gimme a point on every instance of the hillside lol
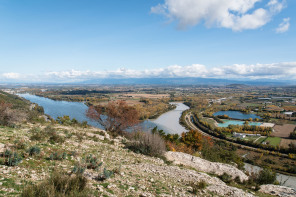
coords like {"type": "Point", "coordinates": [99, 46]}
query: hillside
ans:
{"type": "Point", "coordinates": [64, 148]}
{"type": "Point", "coordinates": [14, 109]}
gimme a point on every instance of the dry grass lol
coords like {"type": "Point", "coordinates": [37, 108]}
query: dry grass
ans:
{"type": "Point", "coordinates": [146, 143]}
{"type": "Point", "coordinates": [58, 185]}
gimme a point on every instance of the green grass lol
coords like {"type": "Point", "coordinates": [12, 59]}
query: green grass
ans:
{"type": "Point", "coordinates": [261, 140]}
{"type": "Point", "coordinates": [274, 141]}
{"type": "Point", "coordinates": [251, 138]}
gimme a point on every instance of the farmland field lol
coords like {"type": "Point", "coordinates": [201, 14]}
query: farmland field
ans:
{"type": "Point", "coordinates": [261, 139]}
{"type": "Point", "coordinates": [285, 143]}
{"type": "Point", "coordinates": [283, 130]}
{"type": "Point", "coordinates": [274, 141]}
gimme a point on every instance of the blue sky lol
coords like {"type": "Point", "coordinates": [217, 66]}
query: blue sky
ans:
{"type": "Point", "coordinates": [83, 39]}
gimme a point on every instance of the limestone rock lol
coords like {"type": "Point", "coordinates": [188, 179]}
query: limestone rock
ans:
{"type": "Point", "coordinates": [278, 190]}
{"type": "Point", "coordinates": [205, 166]}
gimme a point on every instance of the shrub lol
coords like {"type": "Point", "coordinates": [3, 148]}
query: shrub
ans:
{"type": "Point", "coordinates": [105, 175]}
{"type": "Point", "coordinates": [54, 137]}
{"type": "Point", "coordinates": [269, 161]}
{"type": "Point", "coordinates": [79, 136]}
{"type": "Point", "coordinates": [117, 170]}
{"type": "Point", "coordinates": [34, 150]}
{"type": "Point", "coordinates": [265, 176]}
{"type": "Point", "coordinates": [147, 143]}
{"type": "Point", "coordinates": [58, 184]}
{"type": "Point", "coordinates": [78, 169]}
{"type": "Point", "coordinates": [293, 135]}
{"type": "Point", "coordinates": [58, 156]}
{"type": "Point", "coordinates": [226, 178]}
{"type": "Point", "coordinates": [20, 144]}
{"type": "Point", "coordinates": [92, 162]}
{"type": "Point", "coordinates": [2, 161]}
{"type": "Point", "coordinates": [10, 116]}
{"type": "Point", "coordinates": [37, 134]}
{"type": "Point", "coordinates": [196, 187]}
{"type": "Point", "coordinates": [12, 158]}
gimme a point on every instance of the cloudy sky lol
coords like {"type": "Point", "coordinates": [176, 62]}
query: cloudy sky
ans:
{"type": "Point", "coordinates": [76, 40]}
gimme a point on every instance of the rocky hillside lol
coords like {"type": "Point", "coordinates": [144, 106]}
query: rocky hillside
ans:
{"type": "Point", "coordinates": [29, 154]}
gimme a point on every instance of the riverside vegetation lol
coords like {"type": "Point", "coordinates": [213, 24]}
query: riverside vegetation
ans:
{"type": "Point", "coordinates": [66, 158]}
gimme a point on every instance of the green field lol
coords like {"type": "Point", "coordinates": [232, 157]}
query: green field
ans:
{"type": "Point", "coordinates": [274, 141]}
{"type": "Point", "coordinates": [251, 138]}
{"type": "Point", "coordinates": [261, 139]}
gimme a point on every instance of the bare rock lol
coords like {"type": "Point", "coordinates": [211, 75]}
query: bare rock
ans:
{"type": "Point", "coordinates": [205, 166]}
{"type": "Point", "coordinates": [278, 190]}
{"type": "Point", "coordinates": [2, 148]}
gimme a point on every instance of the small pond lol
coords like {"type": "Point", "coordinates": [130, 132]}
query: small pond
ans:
{"type": "Point", "coordinates": [226, 123]}
{"type": "Point", "coordinates": [237, 115]}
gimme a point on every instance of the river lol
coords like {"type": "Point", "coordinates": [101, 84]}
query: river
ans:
{"type": "Point", "coordinates": [169, 121]}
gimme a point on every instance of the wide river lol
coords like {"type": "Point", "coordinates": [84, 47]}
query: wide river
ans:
{"type": "Point", "coordinates": [168, 121]}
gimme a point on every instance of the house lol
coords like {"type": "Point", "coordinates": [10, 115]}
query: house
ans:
{"type": "Point", "coordinates": [243, 135]}
{"type": "Point", "coordinates": [239, 135]}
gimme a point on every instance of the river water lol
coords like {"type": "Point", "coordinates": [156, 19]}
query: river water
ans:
{"type": "Point", "coordinates": [169, 121]}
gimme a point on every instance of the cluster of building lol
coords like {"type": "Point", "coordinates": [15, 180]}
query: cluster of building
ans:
{"type": "Point", "coordinates": [243, 135]}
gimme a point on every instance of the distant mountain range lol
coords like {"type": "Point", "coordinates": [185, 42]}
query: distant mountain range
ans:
{"type": "Point", "coordinates": [165, 81]}
{"type": "Point", "coordinates": [183, 81]}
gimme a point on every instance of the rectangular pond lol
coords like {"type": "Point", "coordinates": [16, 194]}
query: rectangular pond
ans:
{"type": "Point", "coordinates": [237, 122]}
{"type": "Point", "coordinates": [237, 115]}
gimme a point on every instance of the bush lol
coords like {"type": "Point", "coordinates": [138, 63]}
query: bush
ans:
{"type": "Point", "coordinates": [92, 162]}
{"type": "Point", "coordinates": [226, 178]}
{"type": "Point", "coordinates": [20, 144]}
{"type": "Point", "coordinates": [10, 116]}
{"type": "Point", "coordinates": [37, 134]}
{"type": "Point", "coordinates": [59, 184]}
{"type": "Point", "coordinates": [293, 135]}
{"type": "Point", "coordinates": [12, 158]}
{"type": "Point", "coordinates": [146, 143]}
{"type": "Point", "coordinates": [78, 169]}
{"type": "Point", "coordinates": [105, 175]}
{"type": "Point", "coordinates": [196, 187]}
{"type": "Point", "coordinates": [269, 161]}
{"type": "Point", "coordinates": [34, 150]}
{"type": "Point", "coordinates": [55, 138]}
{"type": "Point", "coordinates": [266, 176]}
{"type": "Point", "coordinates": [58, 156]}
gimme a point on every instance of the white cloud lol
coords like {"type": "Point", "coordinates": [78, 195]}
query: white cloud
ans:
{"type": "Point", "coordinates": [237, 15]}
{"type": "Point", "coordinates": [284, 71]}
{"type": "Point", "coordinates": [284, 26]}
{"type": "Point", "coordinates": [11, 75]}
